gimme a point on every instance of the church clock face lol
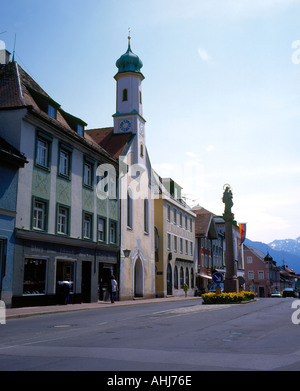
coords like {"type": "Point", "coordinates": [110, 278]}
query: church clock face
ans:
{"type": "Point", "coordinates": [125, 125]}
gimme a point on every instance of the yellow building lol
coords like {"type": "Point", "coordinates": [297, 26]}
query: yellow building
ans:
{"type": "Point", "coordinates": [175, 241]}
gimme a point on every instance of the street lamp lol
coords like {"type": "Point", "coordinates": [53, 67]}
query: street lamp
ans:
{"type": "Point", "coordinates": [126, 253]}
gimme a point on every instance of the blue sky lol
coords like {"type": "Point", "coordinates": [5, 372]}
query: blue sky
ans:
{"type": "Point", "coordinates": [221, 91]}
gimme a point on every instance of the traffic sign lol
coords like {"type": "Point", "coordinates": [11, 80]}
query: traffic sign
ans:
{"type": "Point", "coordinates": [217, 278]}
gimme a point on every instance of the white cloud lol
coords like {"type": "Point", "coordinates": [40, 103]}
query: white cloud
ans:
{"type": "Point", "coordinates": [210, 148]}
{"type": "Point", "coordinates": [204, 55]}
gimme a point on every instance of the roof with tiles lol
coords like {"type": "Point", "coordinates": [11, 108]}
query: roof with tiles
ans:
{"type": "Point", "coordinates": [19, 90]}
{"type": "Point", "coordinates": [113, 143]}
{"type": "Point", "coordinates": [204, 223]}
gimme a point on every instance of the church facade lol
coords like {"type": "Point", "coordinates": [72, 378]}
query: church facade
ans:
{"type": "Point", "coordinates": [126, 141]}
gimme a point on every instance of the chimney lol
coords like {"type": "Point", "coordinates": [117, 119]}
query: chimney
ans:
{"type": "Point", "coordinates": [4, 57]}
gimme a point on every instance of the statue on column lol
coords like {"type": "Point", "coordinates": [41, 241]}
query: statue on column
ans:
{"type": "Point", "coordinates": [231, 281]}
{"type": "Point", "coordinates": [227, 200]}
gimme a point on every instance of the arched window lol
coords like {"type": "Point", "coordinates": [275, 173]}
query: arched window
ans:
{"type": "Point", "coordinates": [125, 95]}
{"type": "Point", "coordinates": [181, 278]}
{"type": "Point", "coordinates": [187, 277]}
{"type": "Point", "coordinates": [175, 277]}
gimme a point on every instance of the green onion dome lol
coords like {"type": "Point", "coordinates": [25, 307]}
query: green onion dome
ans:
{"type": "Point", "coordinates": [129, 62]}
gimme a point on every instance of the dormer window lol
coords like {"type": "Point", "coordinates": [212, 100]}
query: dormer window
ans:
{"type": "Point", "coordinates": [51, 111]}
{"type": "Point", "coordinates": [80, 130]}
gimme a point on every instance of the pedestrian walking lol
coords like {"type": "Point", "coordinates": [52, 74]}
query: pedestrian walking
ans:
{"type": "Point", "coordinates": [114, 289]}
{"type": "Point", "coordinates": [67, 287]}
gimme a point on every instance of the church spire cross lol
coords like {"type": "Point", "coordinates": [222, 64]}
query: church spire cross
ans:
{"type": "Point", "coordinates": [129, 37]}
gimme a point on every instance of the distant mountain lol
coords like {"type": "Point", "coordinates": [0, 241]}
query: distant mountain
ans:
{"type": "Point", "coordinates": [284, 252]}
{"type": "Point", "coordinates": [289, 245]}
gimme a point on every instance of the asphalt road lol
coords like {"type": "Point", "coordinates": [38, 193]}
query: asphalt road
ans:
{"type": "Point", "coordinates": [174, 336]}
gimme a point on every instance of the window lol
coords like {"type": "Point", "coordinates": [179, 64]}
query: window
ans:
{"type": "Point", "coordinates": [63, 220]}
{"type": "Point", "coordinates": [187, 277]}
{"type": "Point", "coordinates": [146, 215]}
{"type": "Point", "coordinates": [206, 260]}
{"type": "Point", "coordinates": [175, 244]}
{"type": "Point", "coordinates": [113, 232]}
{"type": "Point", "coordinates": [51, 111]}
{"type": "Point", "coordinates": [175, 277]}
{"type": "Point", "coordinates": [186, 247]}
{"type": "Point", "coordinates": [43, 150]}
{"type": "Point", "coordinates": [34, 276]}
{"type": "Point", "coordinates": [87, 226]}
{"type": "Point", "coordinates": [181, 278]}
{"type": "Point", "coordinates": [191, 248]}
{"type": "Point", "coordinates": [185, 217]}
{"type": "Point", "coordinates": [140, 97]}
{"type": "Point", "coordinates": [250, 275]}
{"type": "Point", "coordinates": [112, 185]}
{"type": "Point", "coordinates": [39, 215]}
{"type": "Point", "coordinates": [42, 156]}
{"type": "Point", "coordinates": [191, 224]}
{"type": "Point", "coordinates": [129, 211]}
{"type": "Point", "coordinates": [169, 241]}
{"type": "Point", "coordinates": [125, 95]}
{"type": "Point", "coordinates": [181, 245]}
{"type": "Point", "coordinates": [65, 271]}
{"type": "Point", "coordinates": [80, 130]}
{"type": "Point", "coordinates": [168, 212]}
{"type": "Point", "coordinates": [180, 219]}
{"type": "Point", "coordinates": [249, 259]}
{"type": "Point", "coordinates": [175, 216]}
{"type": "Point", "coordinates": [101, 229]}
{"type": "Point", "coordinates": [87, 174]}
{"type": "Point", "coordinates": [64, 163]}
{"type": "Point", "coordinates": [261, 275]}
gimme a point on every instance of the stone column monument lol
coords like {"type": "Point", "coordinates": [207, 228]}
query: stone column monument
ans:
{"type": "Point", "coordinates": [231, 281]}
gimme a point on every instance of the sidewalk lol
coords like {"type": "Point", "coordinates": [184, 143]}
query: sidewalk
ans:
{"type": "Point", "coordinates": [14, 313]}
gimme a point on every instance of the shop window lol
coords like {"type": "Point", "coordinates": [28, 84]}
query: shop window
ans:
{"type": "Point", "coordinates": [65, 271]}
{"type": "Point", "coordinates": [34, 276]}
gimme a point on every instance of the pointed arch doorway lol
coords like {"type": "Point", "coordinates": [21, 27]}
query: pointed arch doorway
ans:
{"type": "Point", "coordinates": [138, 279]}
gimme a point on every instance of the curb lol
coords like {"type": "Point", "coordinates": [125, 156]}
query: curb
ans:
{"type": "Point", "coordinates": [26, 312]}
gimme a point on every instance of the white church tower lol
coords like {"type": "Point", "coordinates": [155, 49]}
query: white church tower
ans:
{"type": "Point", "coordinates": [137, 270]}
{"type": "Point", "coordinates": [129, 111]}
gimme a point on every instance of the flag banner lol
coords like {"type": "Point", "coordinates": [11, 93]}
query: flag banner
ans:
{"type": "Point", "coordinates": [242, 227]}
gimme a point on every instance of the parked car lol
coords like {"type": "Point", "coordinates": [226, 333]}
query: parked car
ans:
{"type": "Point", "coordinates": [276, 294]}
{"type": "Point", "coordinates": [288, 292]}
